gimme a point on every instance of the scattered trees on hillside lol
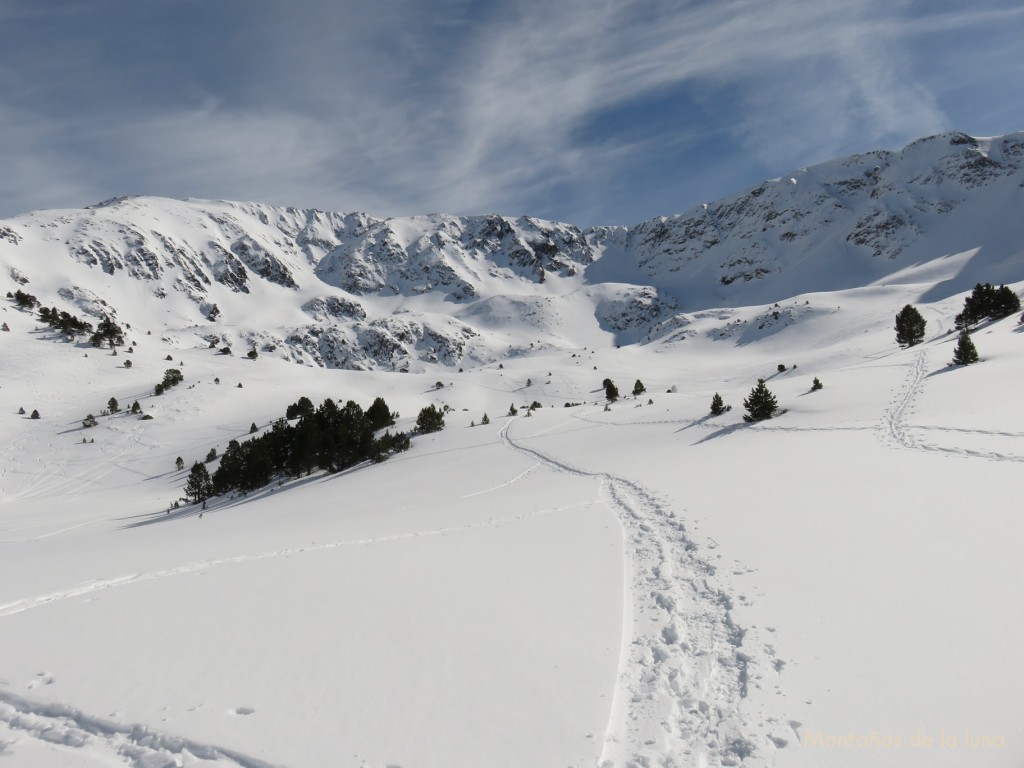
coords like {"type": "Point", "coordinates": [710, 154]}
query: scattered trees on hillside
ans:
{"type": "Point", "coordinates": [965, 352]}
{"type": "Point", "coordinates": [760, 404]}
{"type": "Point", "coordinates": [909, 327]}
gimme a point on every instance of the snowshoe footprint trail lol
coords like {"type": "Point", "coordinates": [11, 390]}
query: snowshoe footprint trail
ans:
{"type": "Point", "coordinates": [682, 681]}
{"type": "Point", "coordinates": [896, 414]}
{"type": "Point", "coordinates": [896, 429]}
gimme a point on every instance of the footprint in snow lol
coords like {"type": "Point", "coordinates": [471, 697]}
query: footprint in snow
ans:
{"type": "Point", "coordinates": [242, 711]}
{"type": "Point", "coordinates": [42, 678]}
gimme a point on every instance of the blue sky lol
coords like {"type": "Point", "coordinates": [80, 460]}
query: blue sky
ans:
{"type": "Point", "coordinates": [592, 112]}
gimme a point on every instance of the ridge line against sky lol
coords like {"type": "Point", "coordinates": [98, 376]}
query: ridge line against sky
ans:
{"type": "Point", "coordinates": [590, 112]}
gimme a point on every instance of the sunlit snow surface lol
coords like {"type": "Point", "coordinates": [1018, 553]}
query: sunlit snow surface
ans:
{"type": "Point", "coordinates": [639, 586]}
{"type": "Point", "coordinates": [577, 586]}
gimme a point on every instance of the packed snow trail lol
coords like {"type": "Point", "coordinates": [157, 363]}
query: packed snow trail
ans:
{"type": "Point", "coordinates": [135, 745]}
{"type": "Point", "coordinates": [683, 678]}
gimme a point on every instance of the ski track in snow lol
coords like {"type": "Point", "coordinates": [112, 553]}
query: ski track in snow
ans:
{"type": "Point", "coordinates": [506, 484]}
{"type": "Point", "coordinates": [896, 429]}
{"type": "Point", "coordinates": [683, 678]}
{"type": "Point", "coordinates": [25, 604]}
{"type": "Point", "coordinates": [135, 745]}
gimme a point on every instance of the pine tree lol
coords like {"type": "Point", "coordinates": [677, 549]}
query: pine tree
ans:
{"type": "Point", "coordinates": [965, 352]}
{"type": "Point", "coordinates": [760, 404]}
{"type": "Point", "coordinates": [112, 405]}
{"type": "Point", "coordinates": [253, 429]}
{"type": "Point", "coordinates": [378, 414]}
{"type": "Point", "coordinates": [211, 456]}
{"type": "Point", "coordinates": [909, 327]}
{"type": "Point", "coordinates": [179, 463]}
{"type": "Point", "coordinates": [89, 421]}
{"type": "Point", "coordinates": [486, 419]}
{"type": "Point", "coordinates": [816, 385]}
{"type": "Point", "coordinates": [611, 392]}
{"type": "Point", "coordinates": [136, 408]}
{"type": "Point", "coordinates": [638, 388]}
{"type": "Point", "coordinates": [429, 420]}
{"type": "Point", "coordinates": [35, 415]}
{"type": "Point", "coordinates": [717, 405]}
{"type": "Point", "coordinates": [199, 486]}
{"type": "Point", "coordinates": [512, 410]}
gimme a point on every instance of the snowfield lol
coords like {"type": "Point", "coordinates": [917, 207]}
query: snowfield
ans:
{"type": "Point", "coordinates": [632, 585]}
{"type": "Point", "coordinates": [575, 588]}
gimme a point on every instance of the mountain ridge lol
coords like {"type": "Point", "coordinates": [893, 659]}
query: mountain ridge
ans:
{"type": "Point", "coordinates": [350, 290]}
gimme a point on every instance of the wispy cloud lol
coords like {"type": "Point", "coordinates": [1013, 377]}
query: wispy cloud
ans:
{"type": "Point", "coordinates": [466, 106]}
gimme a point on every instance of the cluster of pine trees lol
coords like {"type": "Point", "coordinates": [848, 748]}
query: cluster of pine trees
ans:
{"type": "Point", "coordinates": [22, 299]}
{"type": "Point", "coordinates": [107, 332]}
{"type": "Point", "coordinates": [987, 302]}
{"type": "Point", "coordinates": [172, 376]}
{"type": "Point", "coordinates": [63, 321]}
{"type": "Point", "coordinates": [330, 437]}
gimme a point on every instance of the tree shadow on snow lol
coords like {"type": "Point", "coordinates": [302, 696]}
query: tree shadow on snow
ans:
{"type": "Point", "coordinates": [221, 503]}
{"type": "Point", "coordinates": [727, 430]}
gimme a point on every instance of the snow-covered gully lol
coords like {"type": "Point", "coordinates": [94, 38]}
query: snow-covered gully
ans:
{"type": "Point", "coordinates": [684, 673]}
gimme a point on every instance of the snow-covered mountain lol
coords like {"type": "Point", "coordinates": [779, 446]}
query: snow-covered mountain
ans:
{"type": "Point", "coordinates": [352, 291]}
{"type": "Point", "coordinates": [585, 584]}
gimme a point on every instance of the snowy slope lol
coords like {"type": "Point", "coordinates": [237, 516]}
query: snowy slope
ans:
{"type": "Point", "coordinates": [644, 585]}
